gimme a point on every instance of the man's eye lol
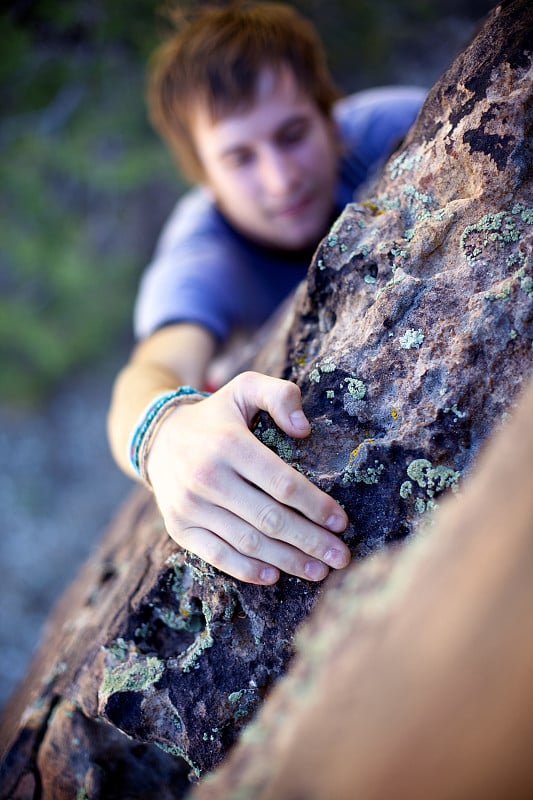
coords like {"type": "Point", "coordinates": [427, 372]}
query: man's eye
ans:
{"type": "Point", "coordinates": [294, 133]}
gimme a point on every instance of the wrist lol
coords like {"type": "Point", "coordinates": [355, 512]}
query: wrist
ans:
{"type": "Point", "coordinates": [150, 420]}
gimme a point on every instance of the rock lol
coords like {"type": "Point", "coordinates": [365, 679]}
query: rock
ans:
{"type": "Point", "coordinates": [410, 340]}
{"type": "Point", "coordinates": [422, 686]}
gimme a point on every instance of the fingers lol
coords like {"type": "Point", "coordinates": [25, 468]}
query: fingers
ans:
{"type": "Point", "coordinates": [264, 469]}
{"type": "Point", "coordinates": [258, 525]}
{"type": "Point", "coordinates": [240, 550]}
{"type": "Point", "coordinates": [220, 554]}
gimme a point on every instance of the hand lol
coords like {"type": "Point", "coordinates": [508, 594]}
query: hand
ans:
{"type": "Point", "coordinates": [230, 500]}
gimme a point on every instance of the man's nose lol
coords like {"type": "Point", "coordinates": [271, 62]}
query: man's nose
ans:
{"type": "Point", "coordinates": [279, 173]}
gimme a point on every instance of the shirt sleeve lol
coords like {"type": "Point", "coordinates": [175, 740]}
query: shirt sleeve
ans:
{"type": "Point", "coordinates": [189, 277]}
{"type": "Point", "coordinates": [372, 123]}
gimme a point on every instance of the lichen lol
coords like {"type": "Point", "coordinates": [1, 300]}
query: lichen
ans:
{"type": "Point", "coordinates": [433, 479]}
{"type": "Point", "coordinates": [272, 437]}
{"type": "Point", "coordinates": [368, 475]}
{"type": "Point", "coordinates": [455, 411]}
{"type": "Point", "coordinates": [137, 677]}
{"type": "Point", "coordinates": [325, 366]}
{"type": "Point", "coordinates": [202, 642]}
{"type": "Point", "coordinates": [500, 227]}
{"type": "Point", "coordinates": [403, 163]}
{"type": "Point", "coordinates": [411, 338]}
{"type": "Point", "coordinates": [412, 193]}
{"type": "Point", "coordinates": [180, 752]}
{"type": "Point", "coordinates": [355, 387]}
{"type": "Point", "coordinates": [420, 505]}
{"type": "Point", "coordinates": [406, 489]}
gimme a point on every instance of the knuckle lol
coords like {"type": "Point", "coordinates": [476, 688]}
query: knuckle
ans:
{"type": "Point", "coordinates": [175, 528]}
{"type": "Point", "coordinates": [284, 485]}
{"type": "Point", "coordinates": [224, 441]}
{"type": "Point", "coordinates": [271, 520]}
{"type": "Point", "coordinates": [215, 552]}
{"type": "Point", "coordinates": [187, 503]}
{"type": "Point", "coordinates": [249, 543]}
{"type": "Point", "coordinates": [204, 475]}
{"type": "Point", "coordinates": [292, 391]}
{"type": "Point", "coordinates": [244, 380]}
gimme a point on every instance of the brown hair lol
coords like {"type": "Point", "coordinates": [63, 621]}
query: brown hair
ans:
{"type": "Point", "coordinates": [215, 57]}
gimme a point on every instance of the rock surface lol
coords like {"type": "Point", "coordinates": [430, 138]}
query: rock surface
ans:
{"type": "Point", "coordinates": [422, 687]}
{"type": "Point", "coordinates": [410, 340]}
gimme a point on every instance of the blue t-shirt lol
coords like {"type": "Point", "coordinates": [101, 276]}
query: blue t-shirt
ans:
{"type": "Point", "coordinates": [205, 271]}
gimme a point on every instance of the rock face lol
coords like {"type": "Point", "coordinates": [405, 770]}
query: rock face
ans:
{"type": "Point", "coordinates": [422, 686]}
{"type": "Point", "coordinates": [410, 340]}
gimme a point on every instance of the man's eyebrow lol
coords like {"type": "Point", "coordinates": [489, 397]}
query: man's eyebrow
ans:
{"type": "Point", "coordinates": [233, 149]}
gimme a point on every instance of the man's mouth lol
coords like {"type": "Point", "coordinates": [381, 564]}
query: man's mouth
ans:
{"type": "Point", "coordinates": [293, 208]}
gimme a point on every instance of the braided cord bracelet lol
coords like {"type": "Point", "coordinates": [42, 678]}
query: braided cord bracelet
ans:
{"type": "Point", "coordinates": [149, 421]}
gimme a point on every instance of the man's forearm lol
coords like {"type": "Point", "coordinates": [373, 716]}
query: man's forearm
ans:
{"type": "Point", "coordinates": [135, 387]}
{"type": "Point", "coordinates": [171, 356]}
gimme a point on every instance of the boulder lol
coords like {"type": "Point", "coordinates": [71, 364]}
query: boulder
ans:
{"type": "Point", "coordinates": [421, 687]}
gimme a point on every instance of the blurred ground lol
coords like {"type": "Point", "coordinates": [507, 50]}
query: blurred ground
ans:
{"type": "Point", "coordinates": [58, 490]}
{"type": "Point", "coordinates": [58, 485]}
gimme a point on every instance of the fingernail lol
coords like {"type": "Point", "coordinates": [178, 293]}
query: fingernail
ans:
{"type": "Point", "coordinates": [335, 558]}
{"type": "Point", "coordinates": [336, 522]}
{"type": "Point", "coordinates": [299, 420]}
{"type": "Point", "coordinates": [315, 570]}
{"type": "Point", "coordinates": [269, 575]}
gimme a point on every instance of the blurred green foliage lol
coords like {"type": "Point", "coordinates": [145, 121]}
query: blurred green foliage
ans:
{"type": "Point", "coordinates": [85, 184]}
{"type": "Point", "coordinates": [78, 157]}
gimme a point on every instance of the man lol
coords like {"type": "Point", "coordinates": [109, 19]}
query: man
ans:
{"type": "Point", "coordinates": [243, 97]}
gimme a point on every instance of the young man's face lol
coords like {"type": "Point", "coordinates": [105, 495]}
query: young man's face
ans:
{"type": "Point", "coordinates": [272, 167]}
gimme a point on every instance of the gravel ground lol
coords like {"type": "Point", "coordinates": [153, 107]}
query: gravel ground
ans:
{"type": "Point", "coordinates": [59, 488]}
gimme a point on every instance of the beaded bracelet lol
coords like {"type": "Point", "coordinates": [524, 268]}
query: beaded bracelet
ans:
{"type": "Point", "coordinates": [150, 420]}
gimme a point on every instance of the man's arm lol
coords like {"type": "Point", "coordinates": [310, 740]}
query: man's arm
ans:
{"type": "Point", "coordinates": [223, 495]}
{"type": "Point", "coordinates": [173, 355]}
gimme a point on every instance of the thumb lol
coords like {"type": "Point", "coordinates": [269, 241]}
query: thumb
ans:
{"type": "Point", "coordinates": [281, 399]}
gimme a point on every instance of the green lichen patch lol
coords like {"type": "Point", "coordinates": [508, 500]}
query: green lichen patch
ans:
{"type": "Point", "coordinates": [352, 473]}
{"type": "Point", "coordinates": [501, 228]}
{"type": "Point", "coordinates": [182, 620]}
{"type": "Point", "coordinates": [406, 489]}
{"type": "Point", "coordinates": [355, 387]}
{"type": "Point", "coordinates": [432, 479]}
{"type": "Point", "coordinates": [327, 365]}
{"type": "Point", "coordinates": [203, 642]}
{"type": "Point", "coordinates": [412, 193]}
{"type": "Point", "coordinates": [138, 676]}
{"type": "Point", "coordinates": [180, 752]}
{"type": "Point", "coordinates": [458, 414]}
{"type": "Point", "coordinates": [275, 439]}
{"type": "Point", "coordinates": [525, 213]}
{"type": "Point", "coordinates": [412, 338]}
{"type": "Point", "coordinates": [403, 163]}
